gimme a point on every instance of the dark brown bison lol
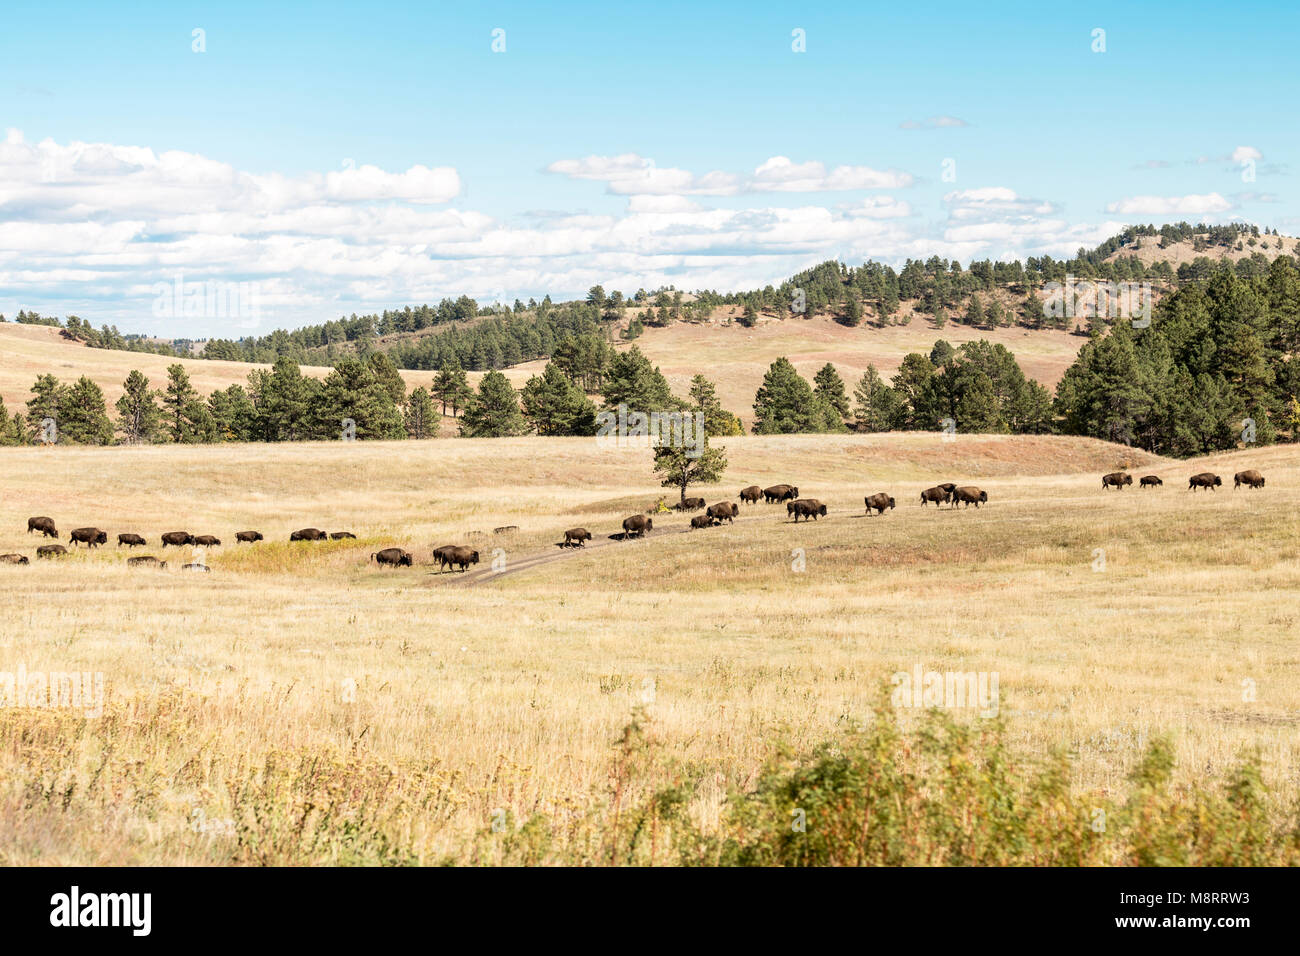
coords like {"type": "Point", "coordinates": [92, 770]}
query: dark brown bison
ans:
{"type": "Point", "coordinates": [248, 536]}
{"type": "Point", "coordinates": [1116, 479]}
{"type": "Point", "coordinates": [130, 540]}
{"type": "Point", "coordinates": [393, 556]}
{"type": "Point", "coordinates": [780, 493]}
{"type": "Point", "coordinates": [723, 510]}
{"type": "Point", "coordinates": [341, 535]}
{"type": "Point", "coordinates": [689, 504]}
{"type": "Point", "coordinates": [504, 529]}
{"type": "Point", "coordinates": [463, 557]}
{"type": "Point", "coordinates": [207, 541]}
{"type": "Point", "coordinates": [1204, 480]}
{"type": "Point", "coordinates": [807, 507]}
{"type": "Point", "coordinates": [703, 521]}
{"type": "Point", "coordinates": [751, 494]}
{"type": "Point", "coordinates": [51, 551]}
{"type": "Point", "coordinates": [177, 539]}
{"type": "Point", "coordinates": [938, 494]}
{"type": "Point", "coordinates": [879, 502]}
{"type": "Point", "coordinates": [145, 559]}
{"type": "Point", "coordinates": [576, 538]}
{"type": "Point", "coordinates": [14, 558]}
{"type": "Point", "coordinates": [308, 534]}
{"type": "Point", "coordinates": [968, 496]}
{"type": "Point", "coordinates": [43, 525]}
{"type": "Point", "coordinates": [90, 537]}
{"type": "Point", "coordinates": [1251, 479]}
{"type": "Point", "coordinates": [441, 555]}
{"type": "Point", "coordinates": [636, 525]}
{"type": "Point", "coordinates": [196, 566]}
{"type": "Point", "coordinates": [1149, 481]}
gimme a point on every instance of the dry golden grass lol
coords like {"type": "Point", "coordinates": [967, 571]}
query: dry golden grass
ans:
{"type": "Point", "coordinates": [335, 712]}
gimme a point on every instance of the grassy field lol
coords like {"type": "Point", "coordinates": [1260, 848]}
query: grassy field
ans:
{"type": "Point", "coordinates": [300, 705]}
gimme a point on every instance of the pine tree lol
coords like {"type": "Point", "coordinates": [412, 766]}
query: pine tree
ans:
{"type": "Point", "coordinates": [680, 467]}
{"type": "Point", "coordinates": [177, 400]}
{"type": "Point", "coordinates": [494, 411]}
{"type": "Point", "coordinates": [632, 381]}
{"type": "Point", "coordinates": [828, 385]}
{"type": "Point", "coordinates": [878, 407]}
{"type": "Point", "coordinates": [138, 415]}
{"type": "Point", "coordinates": [717, 420]}
{"type": "Point", "coordinates": [785, 403]}
{"type": "Point", "coordinates": [83, 417]}
{"type": "Point", "coordinates": [421, 417]}
{"type": "Point", "coordinates": [553, 405]}
{"type": "Point", "coordinates": [43, 406]}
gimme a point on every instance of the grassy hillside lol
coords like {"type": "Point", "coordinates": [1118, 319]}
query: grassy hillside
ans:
{"type": "Point", "coordinates": [310, 707]}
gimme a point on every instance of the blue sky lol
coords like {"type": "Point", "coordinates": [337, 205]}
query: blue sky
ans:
{"type": "Point", "coordinates": [342, 157]}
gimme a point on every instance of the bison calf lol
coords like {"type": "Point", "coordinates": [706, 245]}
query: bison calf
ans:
{"type": "Point", "coordinates": [207, 541]}
{"type": "Point", "coordinates": [130, 540]}
{"type": "Point", "coordinates": [51, 551]}
{"type": "Point", "coordinates": [1149, 481]}
{"type": "Point", "coordinates": [576, 538]}
{"type": "Point", "coordinates": [879, 502]}
{"type": "Point", "coordinates": [145, 559]}
{"type": "Point", "coordinates": [751, 494]}
{"type": "Point", "coordinates": [703, 521]}
{"type": "Point", "coordinates": [341, 535]}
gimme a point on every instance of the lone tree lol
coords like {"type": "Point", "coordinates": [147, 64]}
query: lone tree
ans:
{"type": "Point", "coordinates": [680, 468]}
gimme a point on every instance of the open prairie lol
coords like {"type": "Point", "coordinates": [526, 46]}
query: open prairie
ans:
{"type": "Point", "coordinates": [299, 704]}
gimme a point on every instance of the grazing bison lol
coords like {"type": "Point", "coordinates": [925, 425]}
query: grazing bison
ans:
{"type": "Point", "coordinates": [968, 495]}
{"type": "Point", "coordinates": [145, 559]}
{"type": "Point", "coordinates": [463, 557]}
{"type": "Point", "coordinates": [90, 537]}
{"type": "Point", "coordinates": [308, 534]}
{"type": "Point", "coordinates": [13, 558]}
{"type": "Point", "coordinates": [1204, 480]}
{"type": "Point", "coordinates": [394, 556]}
{"type": "Point", "coordinates": [751, 494]}
{"type": "Point", "coordinates": [51, 551]}
{"type": "Point", "coordinates": [207, 541]}
{"type": "Point", "coordinates": [130, 540]}
{"type": "Point", "coordinates": [576, 538]}
{"type": "Point", "coordinates": [177, 539]}
{"type": "Point", "coordinates": [635, 526]}
{"type": "Point", "coordinates": [723, 510]}
{"type": "Point", "coordinates": [43, 525]}
{"type": "Point", "coordinates": [248, 536]}
{"type": "Point", "coordinates": [196, 567]}
{"type": "Point", "coordinates": [880, 502]}
{"type": "Point", "coordinates": [1149, 481]}
{"type": "Point", "coordinates": [340, 535]}
{"type": "Point", "coordinates": [504, 529]}
{"type": "Point", "coordinates": [703, 521]}
{"type": "Point", "coordinates": [1116, 479]}
{"type": "Point", "coordinates": [689, 504]}
{"type": "Point", "coordinates": [938, 494]}
{"type": "Point", "coordinates": [780, 493]}
{"type": "Point", "coordinates": [808, 507]}
{"type": "Point", "coordinates": [1251, 479]}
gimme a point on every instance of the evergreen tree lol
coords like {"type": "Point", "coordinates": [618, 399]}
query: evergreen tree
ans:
{"type": "Point", "coordinates": [83, 417]}
{"type": "Point", "coordinates": [717, 420]}
{"type": "Point", "coordinates": [421, 417]}
{"type": "Point", "coordinates": [785, 403]}
{"type": "Point", "coordinates": [43, 406]}
{"type": "Point", "coordinates": [138, 415]}
{"type": "Point", "coordinates": [178, 402]}
{"type": "Point", "coordinates": [632, 381]}
{"type": "Point", "coordinates": [680, 467]}
{"type": "Point", "coordinates": [451, 387]}
{"type": "Point", "coordinates": [877, 407]}
{"type": "Point", "coordinates": [494, 411]}
{"type": "Point", "coordinates": [553, 405]}
{"type": "Point", "coordinates": [352, 393]}
{"type": "Point", "coordinates": [828, 385]}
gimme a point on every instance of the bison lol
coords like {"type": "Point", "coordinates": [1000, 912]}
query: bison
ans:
{"type": "Point", "coordinates": [308, 534]}
{"type": "Point", "coordinates": [14, 558]}
{"type": "Point", "coordinates": [248, 536]}
{"type": "Point", "coordinates": [780, 493]}
{"type": "Point", "coordinates": [879, 502]}
{"type": "Point", "coordinates": [463, 557]}
{"type": "Point", "coordinates": [689, 504]}
{"type": "Point", "coordinates": [1149, 481]}
{"type": "Point", "coordinates": [938, 494]}
{"type": "Point", "coordinates": [130, 540]}
{"type": "Point", "coordinates": [751, 494]}
{"type": "Point", "coordinates": [723, 510]}
{"type": "Point", "coordinates": [145, 559]}
{"type": "Point", "coordinates": [90, 537]}
{"type": "Point", "coordinates": [196, 566]}
{"type": "Point", "coordinates": [440, 554]}
{"type": "Point", "coordinates": [43, 525]}
{"type": "Point", "coordinates": [504, 529]}
{"type": "Point", "coordinates": [177, 539]}
{"type": "Point", "coordinates": [51, 551]}
{"type": "Point", "coordinates": [207, 541]}
{"type": "Point", "coordinates": [637, 525]}
{"type": "Point", "coordinates": [341, 535]}
{"type": "Point", "coordinates": [392, 556]}
{"type": "Point", "coordinates": [808, 507]}
{"type": "Point", "coordinates": [703, 521]}
{"type": "Point", "coordinates": [1204, 480]}
{"type": "Point", "coordinates": [968, 495]}
{"type": "Point", "coordinates": [576, 538]}
{"type": "Point", "coordinates": [1116, 479]}
{"type": "Point", "coordinates": [1251, 479]}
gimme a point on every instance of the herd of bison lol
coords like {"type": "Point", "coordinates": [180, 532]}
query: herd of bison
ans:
{"type": "Point", "coordinates": [634, 526]}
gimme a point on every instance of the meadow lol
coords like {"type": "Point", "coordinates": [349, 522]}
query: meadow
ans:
{"type": "Point", "coordinates": [646, 700]}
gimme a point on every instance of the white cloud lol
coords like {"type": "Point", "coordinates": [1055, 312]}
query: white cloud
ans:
{"type": "Point", "coordinates": [1191, 205]}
